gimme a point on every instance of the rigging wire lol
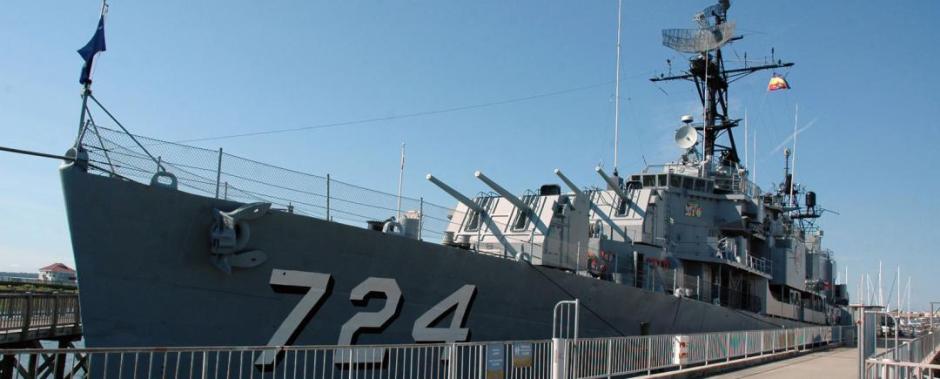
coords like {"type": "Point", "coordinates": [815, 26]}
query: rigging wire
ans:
{"type": "Point", "coordinates": [416, 114]}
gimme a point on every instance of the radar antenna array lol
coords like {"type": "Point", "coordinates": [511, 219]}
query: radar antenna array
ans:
{"type": "Point", "coordinates": [712, 33]}
{"type": "Point", "coordinates": [707, 70]}
{"type": "Point", "coordinates": [698, 40]}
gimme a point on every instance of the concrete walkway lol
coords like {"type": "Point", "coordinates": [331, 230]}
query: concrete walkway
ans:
{"type": "Point", "coordinates": [835, 363]}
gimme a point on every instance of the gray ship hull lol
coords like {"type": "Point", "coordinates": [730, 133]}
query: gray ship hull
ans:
{"type": "Point", "coordinates": [142, 254]}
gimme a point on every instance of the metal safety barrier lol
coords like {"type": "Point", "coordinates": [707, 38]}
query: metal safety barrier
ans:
{"type": "Point", "coordinates": [31, 316]}
{"type": "Point", "coordinates": [518, 359]}
{"type": "Point", "coordinates": [586, 358]}
{"type": "Point", "coordinates": [911, 359]}
{"type": "Point", "coordinates": [604, 357]}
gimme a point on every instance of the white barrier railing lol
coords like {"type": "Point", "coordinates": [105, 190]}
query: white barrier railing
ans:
{"type": "Point", "coordinates": [586, 358]}
{"type": "Point", "coordinates": [912, 359]}
{"type": "Point", "coordinates": [603, 357]}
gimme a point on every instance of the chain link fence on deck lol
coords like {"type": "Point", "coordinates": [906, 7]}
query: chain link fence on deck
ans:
{"type": "Point", "coordinates": [215, 173]}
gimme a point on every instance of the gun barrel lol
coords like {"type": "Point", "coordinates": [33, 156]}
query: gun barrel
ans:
{"type": "Point", "coordinates": [457, 195]}
{"type": "Point", "coordinates": [574, 188]}
{"type": "Point", "coordinates": [503, 192]}
{"type": "Point", "coordinates": [611, 182]}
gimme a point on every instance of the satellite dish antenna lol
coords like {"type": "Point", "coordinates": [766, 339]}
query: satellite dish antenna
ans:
{"type": "Point", "coordinates": [686, 136]}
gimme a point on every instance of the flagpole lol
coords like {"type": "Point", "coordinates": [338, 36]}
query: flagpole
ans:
{"type": "Point", "coordinates": [86, 87]}
{"type": "Point", "coordinates": [401, 174]}
{"type": "Point", "coordinates": [104, 14]}
{"type": "Point", "coordinates": [86, 90]}
{"type": "Point", "coordinates": [796, 121]}
{"type": "Point", "coordinates": [745, 140]}
{"type": "Point", "coordinates": [755, 157]}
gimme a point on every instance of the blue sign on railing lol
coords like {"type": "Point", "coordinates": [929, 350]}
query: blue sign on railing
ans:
{"type": "Point", "coordinates": [495, 360]}
{"type": "Point", "coordinates": [522, 354]}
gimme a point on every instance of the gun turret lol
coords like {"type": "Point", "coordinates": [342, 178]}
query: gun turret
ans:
{"type": "Point", "coordinates": [472, 205]}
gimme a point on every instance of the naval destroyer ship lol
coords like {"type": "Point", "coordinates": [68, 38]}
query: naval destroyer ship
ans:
{"type": "Point", "coordinates": [182, 246]}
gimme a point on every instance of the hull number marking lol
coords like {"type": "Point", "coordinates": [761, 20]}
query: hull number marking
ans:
{"type": "Point", "coordinates": [318, 286]}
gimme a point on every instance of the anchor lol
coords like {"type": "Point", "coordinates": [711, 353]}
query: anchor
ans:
{"type": "Point", "coordinates": [229, 235]}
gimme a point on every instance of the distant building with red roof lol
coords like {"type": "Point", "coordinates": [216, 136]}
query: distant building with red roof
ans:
{"type": "Point", "coordinates": [57, 272]}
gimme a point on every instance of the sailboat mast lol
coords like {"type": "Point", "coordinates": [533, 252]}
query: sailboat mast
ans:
{"type": "Point", "coordinates": [898, 285]}
{"type": "Point", "coordinates": [908, 300]}
{"type": "Point", "coordinates": [617, 86]}
{"type": "Point", "coordinates": [881, 297]}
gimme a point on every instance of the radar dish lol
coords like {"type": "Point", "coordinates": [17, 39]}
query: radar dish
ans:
{"type": "Point", "coordinates": [686, 137]}
{"type": "Point", "coordinates": [698, 40]}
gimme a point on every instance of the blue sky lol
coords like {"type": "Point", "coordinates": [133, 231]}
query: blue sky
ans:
{"type": "Point", "coordinates": [179, 70]}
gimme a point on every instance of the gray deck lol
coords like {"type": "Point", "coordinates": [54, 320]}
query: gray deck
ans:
{"type": "Point", "coordinates": [836, 363]}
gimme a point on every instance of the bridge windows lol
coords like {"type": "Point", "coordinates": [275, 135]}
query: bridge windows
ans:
{"type": "Point", "coordinates": [675, 181]}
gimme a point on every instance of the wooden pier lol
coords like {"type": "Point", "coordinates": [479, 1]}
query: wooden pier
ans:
{"type": "Point", "coordinates": [27, 318]}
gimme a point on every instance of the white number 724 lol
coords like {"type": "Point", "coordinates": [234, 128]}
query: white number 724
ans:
{"type": "Point", "coordinates": [318, 287]}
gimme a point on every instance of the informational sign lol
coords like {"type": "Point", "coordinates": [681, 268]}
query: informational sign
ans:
{"type": "Point", "coordinates": [495, 360]}
{"type": "Point", "coordinates": [692, 209]}
{"type": "Point", "coordinates": [680, 350]}
{"type": "Point", "coordinates": [521, 354]}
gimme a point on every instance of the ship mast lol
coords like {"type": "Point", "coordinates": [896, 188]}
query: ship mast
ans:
{"type": "Point", "coordinates": [617, 87]}
{"type": "Point", "coordinates": [707, 70]}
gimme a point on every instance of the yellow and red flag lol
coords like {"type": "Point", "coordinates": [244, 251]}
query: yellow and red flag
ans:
{"type": "Point", "coordinates": [777, 82]}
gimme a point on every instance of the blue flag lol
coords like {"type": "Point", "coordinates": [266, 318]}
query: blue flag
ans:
{"type": "Point", "coordinates": [93, 47]}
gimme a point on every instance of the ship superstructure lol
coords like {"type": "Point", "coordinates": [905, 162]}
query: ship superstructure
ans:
{"type": "Point", "coordinates": [697, 227]}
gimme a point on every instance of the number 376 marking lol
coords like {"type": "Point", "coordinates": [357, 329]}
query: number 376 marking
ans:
{"type": "Point", "coordinates": [318, 286]}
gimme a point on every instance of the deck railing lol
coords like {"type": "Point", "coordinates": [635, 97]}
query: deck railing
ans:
{"type": "Point", "coordinates": [760, 264]}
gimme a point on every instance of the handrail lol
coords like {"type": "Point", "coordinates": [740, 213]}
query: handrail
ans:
{"type": "Point", "coordinates": [910, 359]}
{"type": "Point", "coordinates": [22, 313]}
{"type": "Point", "coordinates": [526, 359]}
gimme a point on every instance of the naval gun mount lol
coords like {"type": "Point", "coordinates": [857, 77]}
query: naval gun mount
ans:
{"type": "Point", "coordinates": [579, 231]}
{"type": "Point", "coordinates": [545, 228]}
